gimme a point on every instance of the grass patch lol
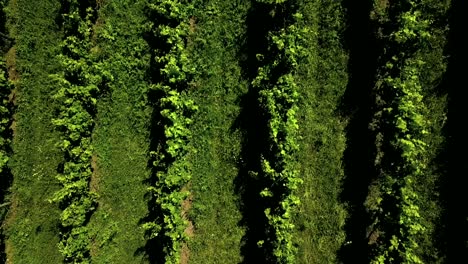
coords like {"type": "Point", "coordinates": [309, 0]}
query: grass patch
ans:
{"type": "Point", "coordinates": [121, 136]}
{"type": "Point", "coordinates": [219, 29]}
{"type": "Point", "coordinates": [32, 224]}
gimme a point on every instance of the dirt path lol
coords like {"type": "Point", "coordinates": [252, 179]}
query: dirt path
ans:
{"type": "Point", "coordinates": [189, 230]}
{"type": "Point", "coordinates": [11, 216]}
{"type": "Point", "coordinates": [187, 203]}
{"type": "Point", "coordinates": [94, 181]}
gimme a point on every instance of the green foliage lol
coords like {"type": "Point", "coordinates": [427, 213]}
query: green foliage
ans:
{"type": "Point", "coordinates": [120, 136]}
{"type": "Point", "coordinates": [31, 229]}
{"type": "Point", "coordinates": [220, 29]}
{"type": "Point", "coordinates": [278, 97]}
{"type": "Point", "coordinates": [80, 83]}
{"type": "Point", "coordinates": [200, 58]}
{"type": "Point", "coordinates": [406, 111]}
{"type": "Point", "coordinates": [5, 141]}
{"type": "Point", "coordinates": [322, 79]}
{"type": "Point", "coordinates": [175, 108]}
{"type": "Point", "coordinates": [5, 115]}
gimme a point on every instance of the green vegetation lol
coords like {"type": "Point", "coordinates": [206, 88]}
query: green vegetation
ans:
{"type": "Point", "coordinates": [80, 84]}
{"type": "Point", "coordinates": [322, 78]}
{"type": "Point", "coordinates": [243, 131]}
{"type": "Point", "coordinates": [404, 110]}
{"type": "Point", "coordinates": [170, 80]}
{"type": "Point", "coordinates": [6, 111]}
{"type": "Point", "coordinates": [5, 116]}
{"type": "Point", "coordinates": [278, 97]}
{"type": "Point", "coordinates": [31, 226]}
{"type": "Point", "coordinates": [217, 227]}
{"type": "Point", "coordinates": [5, 152]}
{"type": "Point", "coordinates": [403, 155]}
{"type": "Point", "coordinates": [120, 136]}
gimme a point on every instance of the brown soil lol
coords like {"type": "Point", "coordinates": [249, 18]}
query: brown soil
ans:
{"type": "Point", "coordinates": [373, 237]}
{"type": "Point", "coordinates": [11, 216]}
{"type": "Point", "coordinates": [94, 248]}
{"type": "Point", "coordinates": [10, 60]}
{"type": "Point", "coordinates": [95, 175]}
{"type": "Point", "coordinates": [189, 230]}
{"type": "Point", "coordinates": [94, 181]}
{"type": "Point", "coordinates": [380, 6]}
{"type": "Point", "coordinates": [13, 75]}
{"type": "Point", "coordinates": [97, 27]}
{"type": "Point", "coordinates": [186, 206]}
{"type": "Point", "coordinates": [187, 203]}
{"type": "Point", "coordinates": [384, 3]}
{"type": "Point", "coordinates": [9, 252]}
{"type": "Point", "coordinates": [184, 258]}
{"type": "Point", "coordinates": [192, 24]}
{"type": "Point", "coordinates": [192, 28]}
{"type": "Point", "coordinates": [100, 3]}
{"type": "Point", "coordinates": [94, 187]}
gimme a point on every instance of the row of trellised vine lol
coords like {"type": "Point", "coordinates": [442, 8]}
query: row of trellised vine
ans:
{"type": "Point", "coordinates": [79, 84]}
{"type": "Point", "coordinates": [5, 117]}
{"type": "Point", "coordinates": [278, 98]}
{"type": "Point", "coordinates": [5, 141]}
{"type": "Point", "coordinates": [172, 72]}
{"type": "Point", "coordinates": [5, 114]}
{"type": "Point", "coordinates": [403, 112]}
